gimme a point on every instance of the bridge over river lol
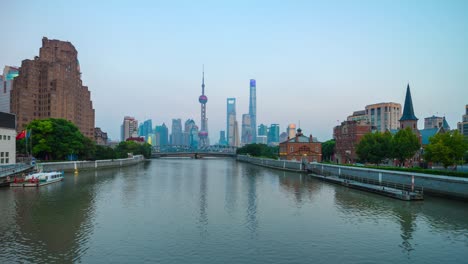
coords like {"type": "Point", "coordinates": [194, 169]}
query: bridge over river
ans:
{"type": "Point", "coordinates": [182, 152]}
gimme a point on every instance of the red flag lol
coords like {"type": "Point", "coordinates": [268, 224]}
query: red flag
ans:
{"type": "Point", "coordinates": [21, 135]}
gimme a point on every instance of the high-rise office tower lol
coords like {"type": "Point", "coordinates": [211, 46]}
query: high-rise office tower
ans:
{"type": "Point", "coordinates": [6, 83]}
{"type": "Point", "coordinates": [129, 128]}
{"type": "Point", "coordinates": [274, 134]}
{"type": "Point", "coordinates": [246, 129]}
{"type": "Point", "coordinates": [283, 136]}
{"type": "Point", "coordinates": [222, 138]}
{"type": "Point", "coordinates": [234, 134]}
{"type": "Point", "coordinates": [176, 132]}
{"type": "Point", "coordinates": [262, 130]}
{"type": "Point", "coordinates": [50, 86]}
{"type": "Point", "coordinates": [145, 129]}
{"type": "Point", "coordinates": [161, 135]}
{"type": "Point", "coordinates": [253, 109]}
{"type": "Point", "coordinates": [230, 120]}
{"type": "Point", "coordinates": [203, 99]}
{"type": "Point", "coordinates": [190, 134]}
{"type": "Point", "coordinates": [463, 125]}
{"type": "Point", "coordinates": [291, 130]}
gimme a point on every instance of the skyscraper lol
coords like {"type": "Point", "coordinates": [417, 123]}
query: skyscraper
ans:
{"type": "Point", "coordinates": [234, 135]}
{"type": "Point", "coordinates": [50, 86]}
{"type": "Point", "coordinates": [161, 135]}
{"type": "Point", "coordinates": [274, 134]}
{"type": "Point", "coordinates": [145, 129]}
{"type": "Point", "coordinates": [176, 132]}
{"type": "Point", "coordinates": [129, 128]}
{"type": "Point", "coordinates": [203, 99]}
{"type": "Point", "coordinates": [222, 138]}
{"type": "Point", "coordinates": [231, 119]}
{"type": "Point", "coordinates": [253, 109]}
{"type": "Point", "coordinates": [246, 129]}
{"type": "Point", "coordinates": [6, 83]}
{"type": "Point", "coordinates": [190, 134]}
{"type": "Point", "coordinates": [262, 130]}
{"type": "Point", "coordinates": [291, 130]}
{"type": "Point", "coordinates": [283, 136]}
{"type": "Point", "coordinates": [463, 125]}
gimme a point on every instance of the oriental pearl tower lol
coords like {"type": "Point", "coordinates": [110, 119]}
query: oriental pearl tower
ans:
{"type": "Point", "coordinates": [203, 134]}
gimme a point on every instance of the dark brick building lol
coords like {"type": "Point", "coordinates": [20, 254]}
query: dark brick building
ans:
{"type": "Point", "coordinates": [50, 86]}
{"type": "Point", "coordinates": [347, 136]}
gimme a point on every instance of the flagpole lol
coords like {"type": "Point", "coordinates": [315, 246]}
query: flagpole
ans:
{"type": "Point", "coordinates": [26, 142]}
{"type": "Point", "coordinates": [30, 141]}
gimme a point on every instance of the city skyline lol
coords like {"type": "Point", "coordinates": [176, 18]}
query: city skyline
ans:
{"type": "Point", "coordinates": [348, 54]}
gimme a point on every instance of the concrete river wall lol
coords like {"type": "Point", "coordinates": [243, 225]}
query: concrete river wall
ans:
{"type": "Point", "coordinates": [277, 164]}
{"type": "Point", "coordinates": [448, 186]}
{"type": "Point", "coordinates": [89, 165]}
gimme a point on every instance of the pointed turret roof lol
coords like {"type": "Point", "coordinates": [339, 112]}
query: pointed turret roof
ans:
{"type": "Point", "coordinates": [408, 111]}
{"type": "Point", "coordinates": [445, 125]}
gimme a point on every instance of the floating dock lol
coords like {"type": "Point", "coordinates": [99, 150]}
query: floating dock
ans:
{"type": "Point", "coordinates": [396, 193]}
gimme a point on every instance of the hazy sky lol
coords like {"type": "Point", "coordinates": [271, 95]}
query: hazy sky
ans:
{"type": "Point", "coordinates": [316, 62]}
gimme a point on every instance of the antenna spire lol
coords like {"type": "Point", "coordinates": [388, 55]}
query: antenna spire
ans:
{"type": "Point", "coordinates": [203, 79]}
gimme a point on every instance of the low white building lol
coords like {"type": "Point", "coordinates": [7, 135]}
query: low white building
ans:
{"type": "Point", "coordinates": [7, 138]}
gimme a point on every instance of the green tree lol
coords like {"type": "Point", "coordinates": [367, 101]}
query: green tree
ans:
{"type": "Point", "coordinates": [375, 147]}
{"type": "Point", "coordinates": [259, 150]}
{"type": "Point", "coordinates": [125, 147]}
{"type": "Point", "coordinates": [104, 152]}
{"type": "Point", "coordinates": [54, 139]}
{"type": "Point", "coordinates": [405, 144]}
{"type": "Point", "coordinates": [328, 149]}
{"type": "Point", "coordinates": [447, 148]}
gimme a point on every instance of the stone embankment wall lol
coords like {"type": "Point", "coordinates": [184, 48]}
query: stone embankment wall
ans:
{"type": "Point", "coordinates": [448, 186]}
{"type": "Point", "coordinates": [277, 164]}
{"type": "Point", "coordinates": [90, 165]}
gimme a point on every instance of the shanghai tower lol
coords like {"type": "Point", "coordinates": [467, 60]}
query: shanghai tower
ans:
{"type": "Point", "coordinates": [253, 109]}
{"type": "Point", "coordinates": [203, 134]}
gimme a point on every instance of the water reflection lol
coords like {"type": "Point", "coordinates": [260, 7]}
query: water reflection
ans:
{"type": "Point", "coordinates": [54, 222]}
{"type": "Point", "coordinates": [231, 188]}
{"type": "Point", "coordinates": [299, 185]}
{"type": "Point", "coordinates": [203, 216]}
{"type": "Point", "coordinates": [406, 214]}
{"type": "Point", "coordinates": [251, 179]}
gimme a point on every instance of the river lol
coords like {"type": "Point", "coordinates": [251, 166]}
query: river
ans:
{"type": "Point", "coordinates": [222, 211]}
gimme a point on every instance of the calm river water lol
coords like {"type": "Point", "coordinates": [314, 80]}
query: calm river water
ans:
{"type": "Point", "coordinates": [221, 211]}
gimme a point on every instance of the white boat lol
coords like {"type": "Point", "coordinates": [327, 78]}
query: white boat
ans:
{"type": "Point", "coordinates": [38, 179]}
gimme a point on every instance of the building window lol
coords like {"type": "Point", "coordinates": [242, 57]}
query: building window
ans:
{"type": "Point", "coordinates": [291, 149]}
{"type": "Point", "coordinates": [6, 154]}
{"type": "Point", "coordinates": [1, 154]}
{"type": "Point", "coordinates": [7, 160]}
{"type": "Point", "coordinates": [1, 161]}
{"type": "Point", "coordinates": [9, 137]}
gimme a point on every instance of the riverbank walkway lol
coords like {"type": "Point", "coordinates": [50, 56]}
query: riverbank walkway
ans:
{"type": "Point", "coordinates": [13, 169]}
{"type": "Point", "coordinates": [397, 191]}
